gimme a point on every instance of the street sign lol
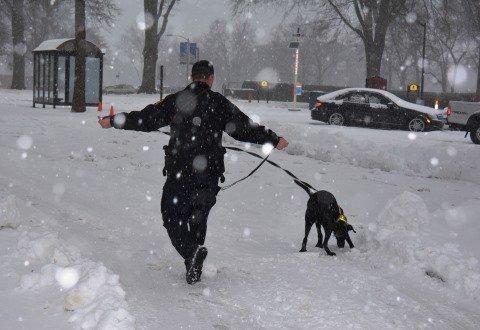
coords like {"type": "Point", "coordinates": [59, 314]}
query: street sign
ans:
{"type": "Point", "coordinates": [298, 90]}
{"type": "Point", "coordinates": [413, 88]}
{"type": "Point", "coordinates": [295, 43]}
{"type": "Point", "coordinates": [264, 84]}
{"type": "Point", "coordinates": [186, 55]}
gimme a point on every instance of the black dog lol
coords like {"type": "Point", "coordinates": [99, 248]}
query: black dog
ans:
{"type": "Point", "coordinates": [323, 210]}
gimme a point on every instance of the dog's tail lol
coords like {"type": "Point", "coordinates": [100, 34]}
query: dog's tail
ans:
{"type": "Point", "coordinates": [305, 186]}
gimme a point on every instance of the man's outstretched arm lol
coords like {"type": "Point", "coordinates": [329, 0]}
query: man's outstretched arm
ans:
{"type": "Point", "coordinates": [151, 118]}
{"type": "Point", "coordinates": [242, 128]}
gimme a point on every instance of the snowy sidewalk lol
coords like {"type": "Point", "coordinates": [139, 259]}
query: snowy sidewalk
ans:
{"type": "Point", "coordinates": [99, 193]}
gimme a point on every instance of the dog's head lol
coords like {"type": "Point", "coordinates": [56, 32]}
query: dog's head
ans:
{"type": "Point", "coordinates": [341, 228]}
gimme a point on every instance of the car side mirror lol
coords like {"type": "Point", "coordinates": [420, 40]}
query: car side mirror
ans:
{"type": "Point", "coordinates": [391, 105]}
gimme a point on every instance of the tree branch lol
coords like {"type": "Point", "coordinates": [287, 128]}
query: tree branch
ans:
{"type": "Point", "coordinates": [165, 19]}
{"type": "Point", "coordinates": [345, 20]}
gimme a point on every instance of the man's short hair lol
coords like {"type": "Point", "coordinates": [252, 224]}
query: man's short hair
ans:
{"type": "Point", "coordinates": [202, 70]}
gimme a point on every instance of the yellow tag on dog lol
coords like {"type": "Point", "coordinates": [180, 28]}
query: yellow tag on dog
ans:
{"type": "Point", "coordinates": [342, 217]}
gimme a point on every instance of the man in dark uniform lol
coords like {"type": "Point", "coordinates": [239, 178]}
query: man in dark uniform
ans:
{"type": "Point", "coordinates": [194, 156]}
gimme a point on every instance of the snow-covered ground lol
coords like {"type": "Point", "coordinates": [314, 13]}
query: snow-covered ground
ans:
{"type": "Point", "coordinates": [82, 241]}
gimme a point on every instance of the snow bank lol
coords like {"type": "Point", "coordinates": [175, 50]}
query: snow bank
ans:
{"type": "Point", "coordinates": [92, 293]}
{"type": "Point", "coordinates": [407, 236]}
{"type": "Point", "coordinates": [9, 213]}
{"type": "Point", "coordinates": [408, 153]}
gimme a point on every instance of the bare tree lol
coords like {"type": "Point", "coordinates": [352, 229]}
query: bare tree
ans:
{"type": "Point", "coordinates": [216, 48]}
{"type": "Point", "coordinates": [16, 9]}
{"type": "Point", "coordinates": [372, 19]}
{"type": "Point", "coordinates": [154, 10]}
{"type": "Point", "coordinates": [472, 13]}
{"type": "Point", "coordinates": [368, 19]}
{"type": "Point", "coordinates": [80, 48]}
{"type": "Point", "coordinates": [129, 48]}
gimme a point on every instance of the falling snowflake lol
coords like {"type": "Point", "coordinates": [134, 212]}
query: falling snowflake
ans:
{"type": "Point", "coordinates": [206, 292]}
{"type": "Point", "coordinates": [267, 148]}
{"type": "Point", "coordinates": [24, 142]}
{"type": "Point", "coordinates": [200, 163]}
{"type": "Point", "coordinates": [67, 277]}
{"type": "Point", "coordinates": [411, 17]}
{"type": "Point", "coordinates": [451, 151]}
{"type": "Point", "coordinates": [144, 21]}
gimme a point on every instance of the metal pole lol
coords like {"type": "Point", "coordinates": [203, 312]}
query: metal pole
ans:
{"type": "Point", "coordinates": [161, 82]}
{"type": "Point", "coordinates": [295, 80]}
{"type": "Point", "coordinates": [188, 57]}
{"type": "Point", "coordinates": [423, 59]}
{"type": "Point", "coordinates": [34, 76]}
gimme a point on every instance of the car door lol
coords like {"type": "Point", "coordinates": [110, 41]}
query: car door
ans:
{"type": "Point", "coordinates": [357, 107]}
{"type": "Point", "coordinates": [381, 112]}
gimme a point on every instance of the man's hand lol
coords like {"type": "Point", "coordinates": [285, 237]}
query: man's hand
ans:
{"type": "Point", "coordinates": [105, 122]}
{"type": "Point", "coordinates": [282, 144]}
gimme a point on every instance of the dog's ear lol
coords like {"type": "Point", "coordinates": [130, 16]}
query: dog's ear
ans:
{"type": "Point", "coordinates": [350, 228]}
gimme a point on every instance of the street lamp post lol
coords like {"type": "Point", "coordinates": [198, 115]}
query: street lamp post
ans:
{"type": "Point", "coordinates": [295, 44]}
{"type": "Point", "coordinates": [188, 51]}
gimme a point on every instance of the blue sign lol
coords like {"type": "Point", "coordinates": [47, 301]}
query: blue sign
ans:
{"type": "Point", "coordinates": [298, 90]}
{"type": "Point", "coordinates": [186, 55]}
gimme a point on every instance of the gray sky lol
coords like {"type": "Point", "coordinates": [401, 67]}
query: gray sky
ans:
{"type": "Point", "coordinates": [190, 17]}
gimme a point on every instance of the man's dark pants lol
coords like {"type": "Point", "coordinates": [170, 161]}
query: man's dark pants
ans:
{"type": "Point", "coordinates": [186, 203]}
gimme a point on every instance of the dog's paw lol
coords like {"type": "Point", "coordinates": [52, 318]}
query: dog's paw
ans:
{"type": "Point", "coordinates": [303, 250]}
{"type": "Point", "coordinates": [319, 245]}
{"type": "Point", "coordinates": [331, 254]}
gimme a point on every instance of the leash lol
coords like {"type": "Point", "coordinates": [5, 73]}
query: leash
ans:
{"type": "Point", "coordinates": [304, 185]}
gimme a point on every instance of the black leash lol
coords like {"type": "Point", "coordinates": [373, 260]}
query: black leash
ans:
{"type": "Point", "coordinates": [304, 185]}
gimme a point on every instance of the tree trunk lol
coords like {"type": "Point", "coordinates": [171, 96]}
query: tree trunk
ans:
{"type": "Point", "coordinates": [150, 49]}
{"type": "Point", "coordinates": [80, 35]}
{"type": "Point", "coordinates": [373, 58]}
{"type": "Point", "coordinates": [19, 45]}
{"type": "Point", "coordinates": [478, 75]}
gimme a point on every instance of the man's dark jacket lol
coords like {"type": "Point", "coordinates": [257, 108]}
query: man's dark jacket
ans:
{"type": "Point", "coordinates": [197, 117]}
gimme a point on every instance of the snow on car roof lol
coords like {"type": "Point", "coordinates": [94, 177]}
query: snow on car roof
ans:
{"type": "Point", "coordinates": [398, 101]}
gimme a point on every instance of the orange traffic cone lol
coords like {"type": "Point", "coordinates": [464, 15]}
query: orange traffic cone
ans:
{"type": "Point", "coordinates": [112, 111]}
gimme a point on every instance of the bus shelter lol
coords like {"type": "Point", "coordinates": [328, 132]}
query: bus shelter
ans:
{"type": "Point", "coordinates": [54, 73]}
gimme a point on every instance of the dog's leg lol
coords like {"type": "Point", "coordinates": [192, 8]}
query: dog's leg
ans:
{"type": "Point", "coordinates": [349, 241]}
{"type": "Point", "coordinates": [325, 242]}
{"type": "Point", "coordinates": [320, 236]}
{"type": "Point", "coordinates": [308, 226]}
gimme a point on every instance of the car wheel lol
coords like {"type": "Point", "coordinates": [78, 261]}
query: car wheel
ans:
{"type": "Point", "coordinates": [336, 119]}
{"type": "Point", "coordinates": [475, 134]}
{"type": "Point", "coordinates": [416, 125]}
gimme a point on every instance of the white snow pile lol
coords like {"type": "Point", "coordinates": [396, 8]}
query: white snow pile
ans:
{"type": "Point", "coordinates": [9, 212]}
{"type": "Point", "coordinates": [406, 237]}
{"type": "Point", "coordinates": [408, 153]}
{"type": "Point", "coordinates": [92, 293]}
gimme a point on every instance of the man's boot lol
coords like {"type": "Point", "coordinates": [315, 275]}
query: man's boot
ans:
{"type": "Point", "coordinates": [195, 265]}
